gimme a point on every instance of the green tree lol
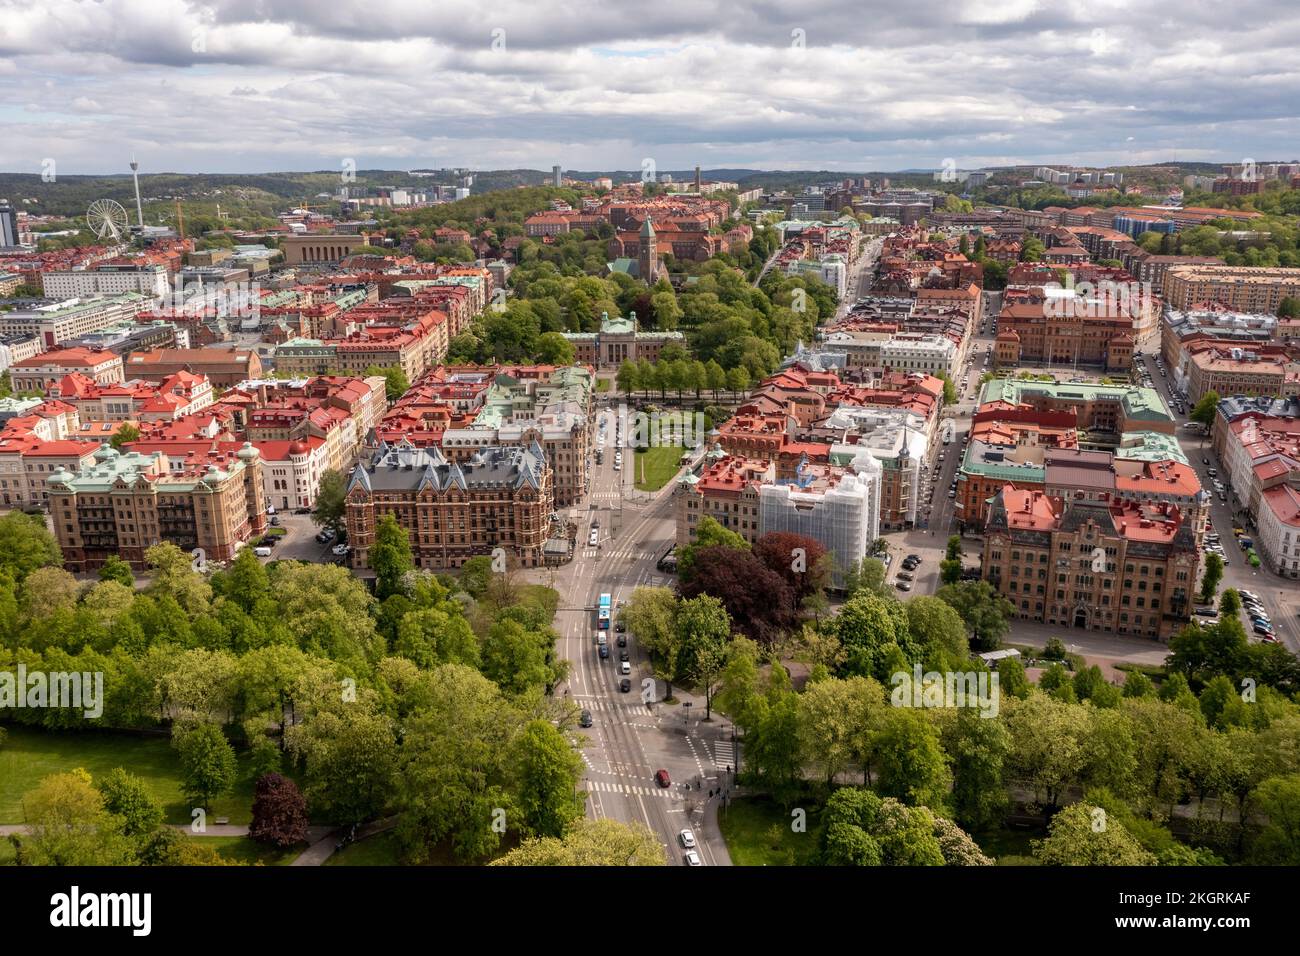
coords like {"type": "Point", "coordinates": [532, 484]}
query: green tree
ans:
{"type": "Point", "coordinates": [390, 556]}
{"type": "Point", "coordinates": [396, 383]}
{"type": "Point", "coordinates": [351, 759]}
{"type": "Point", "coordinates": [68, 825]}
{"type": "Point", "coordinates": [977, 748]}
{"type": "Point", "coordinates": [1204, 410]}
{"type": "Point", "coordinates": [1080, 836]}
{"type": "Point", "coordinates": [548, 771]}
{"type": "Point", "coordinates": [913, 766]}
{"type": "Point", "coordinates": [703, 628]}
{"type": "Point", "coordinates": [126, 433]}
{"type": "Point", "coordinates": [126, 797]}
{"type": "Point", "coordinates": [1288, 308]}
{"type": "Point", "coordinates": [115, 569]}
{"type": "Point", "coordinates": [516, 658]}
{"type": "Point", "coordinates": [331, 500]}
{"type": "Point", "coordinates": [207, 763]}
{"type": "Point", "coordinates": [26, 544]}
{"type": "Point", "coordinates": [985, 611]}
{"type": "Point", "coordinates": [1278, 802]}
{"type": "Point", "coordinates": [1213, 575]}
{"type": "Point", "coordinates": [554, 349]}
{"type": "Point", "coordinates": [950, 566]}
{"type": "Point", "coordinates": [590, 843]}
{"type": "Point", "coordinates": [949, 389]}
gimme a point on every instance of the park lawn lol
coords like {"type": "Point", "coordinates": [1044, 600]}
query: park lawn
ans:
{"type": "Point", "coordinates": [603, 384]}
{"type": "Point", "coordinates": [240, 849]}
{"type": "Point", "coordinates": [545, 599]}
{"type": "Point", "coordinates": [758, 833]}
{"type": "Point", "coordinates": [30, 754]}
{"type": "Point", "coordinates": [660, 464]}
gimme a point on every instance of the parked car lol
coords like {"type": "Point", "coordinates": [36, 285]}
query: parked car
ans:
{"type": "Point", "coordinates": [903, 585]}
{"type": "Point", "coordinates": [275, 521]}
{"type": "Point", "coordinates": [339, 550]}
{"type": "Point", "coordinates": [620, 626]}
{"type": "Point", "coordinates": [262, 551]}
{"type": "Point", "coordinates": [1263, 629]}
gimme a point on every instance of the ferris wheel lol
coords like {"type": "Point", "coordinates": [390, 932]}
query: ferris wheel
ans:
{"type": "Point", "coordinates": [107, 219]}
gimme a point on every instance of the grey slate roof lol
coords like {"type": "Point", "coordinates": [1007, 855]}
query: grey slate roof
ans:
{"type": "Point", "coordinates": [406, 468]}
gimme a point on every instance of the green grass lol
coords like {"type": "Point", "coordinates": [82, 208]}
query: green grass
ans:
{"type": "Point", "coordinates": [603, 384]}
{"type": "Point", "coordinates": [31, 754]}
{"type": "Point", "coordinates": [540, 596]}
{"type": "Point", "coordinates": [758, 833]}
{"type": "Point", "coordinates": [379, 850]}
{"type": "Point", "coordinates": [660, 466]}
{"type": "Point", "coordinates": [243, 850]}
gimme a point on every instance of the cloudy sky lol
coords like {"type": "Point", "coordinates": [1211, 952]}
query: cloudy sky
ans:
{"type": "Point", "coordinates": [263, 85]}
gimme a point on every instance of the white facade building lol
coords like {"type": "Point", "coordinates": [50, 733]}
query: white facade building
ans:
{"type": "Point", "coordinates": [930, 354]}
{"type": "Point", "coordinates": [843, 518]}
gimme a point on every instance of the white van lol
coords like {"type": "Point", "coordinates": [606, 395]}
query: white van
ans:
{"type": "Point", "coordinates": [262, 551]}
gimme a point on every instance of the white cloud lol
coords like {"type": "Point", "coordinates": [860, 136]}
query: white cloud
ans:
{"type": "Point", "coordinates": [598, 84]}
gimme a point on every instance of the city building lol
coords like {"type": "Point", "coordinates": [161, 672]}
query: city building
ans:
{"type": "Point", "coordinates": [620, 340]}
{"type": "Point", "coordinates": [43, 372]}
{"type": "Point", "coordinates": [1240, 288]}
{"type": "Point", "coordinates": [122, 504]}
{"type": "Point", "coordinates": [453, 511]}
{"type": "Point", "coordinates": [1115, 565]}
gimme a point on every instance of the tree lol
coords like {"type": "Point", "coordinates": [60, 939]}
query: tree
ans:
{"type": "Point", "coordinates": [702, 628]}
{"type": "Point", "coordinates": [68, 825]}
{"type": "Point", "coordinates": [115, 569]}
{"type": "Point", "coordinates": [1213, 575]}
{"type": "Point", "coordinates": [758, 600]}
{"type": "Point", "coordinates": [1278, 802]}
{"type": "Point", "coordinates": [516, 658]}
{"type": "Point", "coordinates": [207, 763]}
{"type": "Point", "coordinates": [708, 533]}
{"type": "Point", "coordinates": [874, 631]}
{"type": "Point", "coordinates": [603, 842]}
{"type": "Point", "coordinates": [127, 798]}
{"type": "Point", "coordinates": [985, 611]}
{"type": "Point", "coordinates": [351, 759]}
{"type": "Point", "coordinates": [396, 383]}
{"type": "Point", "coordinates": [650, 614]}
{"type": "Point", "coordinates": [1081, 837]}
{"type": "Point", "coordinates": [390, 556]}
{"type": "Point", "coordinates": [1288, 308]}
{"type": "Point", "coordinates": [950, 566]}
{"type": "Point", "coordinates": [837, 719]}
{"type": "Point", "coordinates": [26, 544]}
{"type": "Point", "coordinates": [125, 434]}
{"type": "Point", "coordinates": [279, 812]}
{"type": "Point", "coordinates": [554, 349]}
{"type": "Point", "coordinates": [331, 500]}
{"type": "Point", "coordinates": [1204, 410]}
{"type": "Point", "coordinates": [801, 561]}
{"type": "Point", "coordinates": [913, 766]}
{"type": "Point", "coordinates": [628, 378]}
{"type": "Point", "coordinates": [738, 379]}
{"type": "Point", "coordinates": [1047, 751]}
{"type": "Point", "coordinates": [548, 772]}
{"type": "Point", "coordinates": [977, 748]}
{"type": "Point", "coordinates": [937, 629]}
{"type": "Point", "coordinates": [949, 389]}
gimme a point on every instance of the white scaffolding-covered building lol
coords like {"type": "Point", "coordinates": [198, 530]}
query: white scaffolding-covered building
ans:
{"type": "Point", "coordinates": [844, 517]}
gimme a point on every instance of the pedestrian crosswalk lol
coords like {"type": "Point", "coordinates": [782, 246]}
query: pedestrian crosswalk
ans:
{"type": "Point", "coordinates": [602, 786]}
{"type": "Point", "coordinates": [724, 754]}
{"type": "Point", "coordinates": [607, 706]}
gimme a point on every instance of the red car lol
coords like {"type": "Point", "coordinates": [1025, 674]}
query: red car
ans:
{"type": "Point", "coordinates": [661, 778]}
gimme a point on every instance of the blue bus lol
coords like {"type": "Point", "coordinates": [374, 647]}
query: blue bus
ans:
{"type": "Point", "coordinates": [604, 609]}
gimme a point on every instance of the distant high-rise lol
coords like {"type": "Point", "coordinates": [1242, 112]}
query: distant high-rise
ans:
{"type": "Point", "coordinates": [557, 176]}
{"type": "Point", "coordinates": [8, 224]}
{"type": "Point", "coordinates": [697, 180]}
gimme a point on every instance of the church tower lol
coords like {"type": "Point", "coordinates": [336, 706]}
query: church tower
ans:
{"type": "Point", "coordinates": [647, 254]}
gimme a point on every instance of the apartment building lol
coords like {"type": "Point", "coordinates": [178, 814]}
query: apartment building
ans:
{"type": "Point", "coordinates": [45, 371]}
{"type": "Point", "coordinates": [1240, 288]}
{"type": "Point", "coordinates": [724, 488]}
{"type": "Point", "coordinates": [1115, 566]}
{"type": "Point", "coordinates": [222, 367]}
{"type": "Point", "coordinates": [107, 278]}
{"type": "Point", "coordinates": [60, 322]}
{"type": "Point", "coordinates": [1235, 370]}
{"type": "Point", "coordinates": [122, 504]}
{"type": "Point", "coordinates": [453, 511]}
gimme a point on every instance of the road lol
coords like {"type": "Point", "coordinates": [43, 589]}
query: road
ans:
{"type": "Point", "coordinates": [634, 734]}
